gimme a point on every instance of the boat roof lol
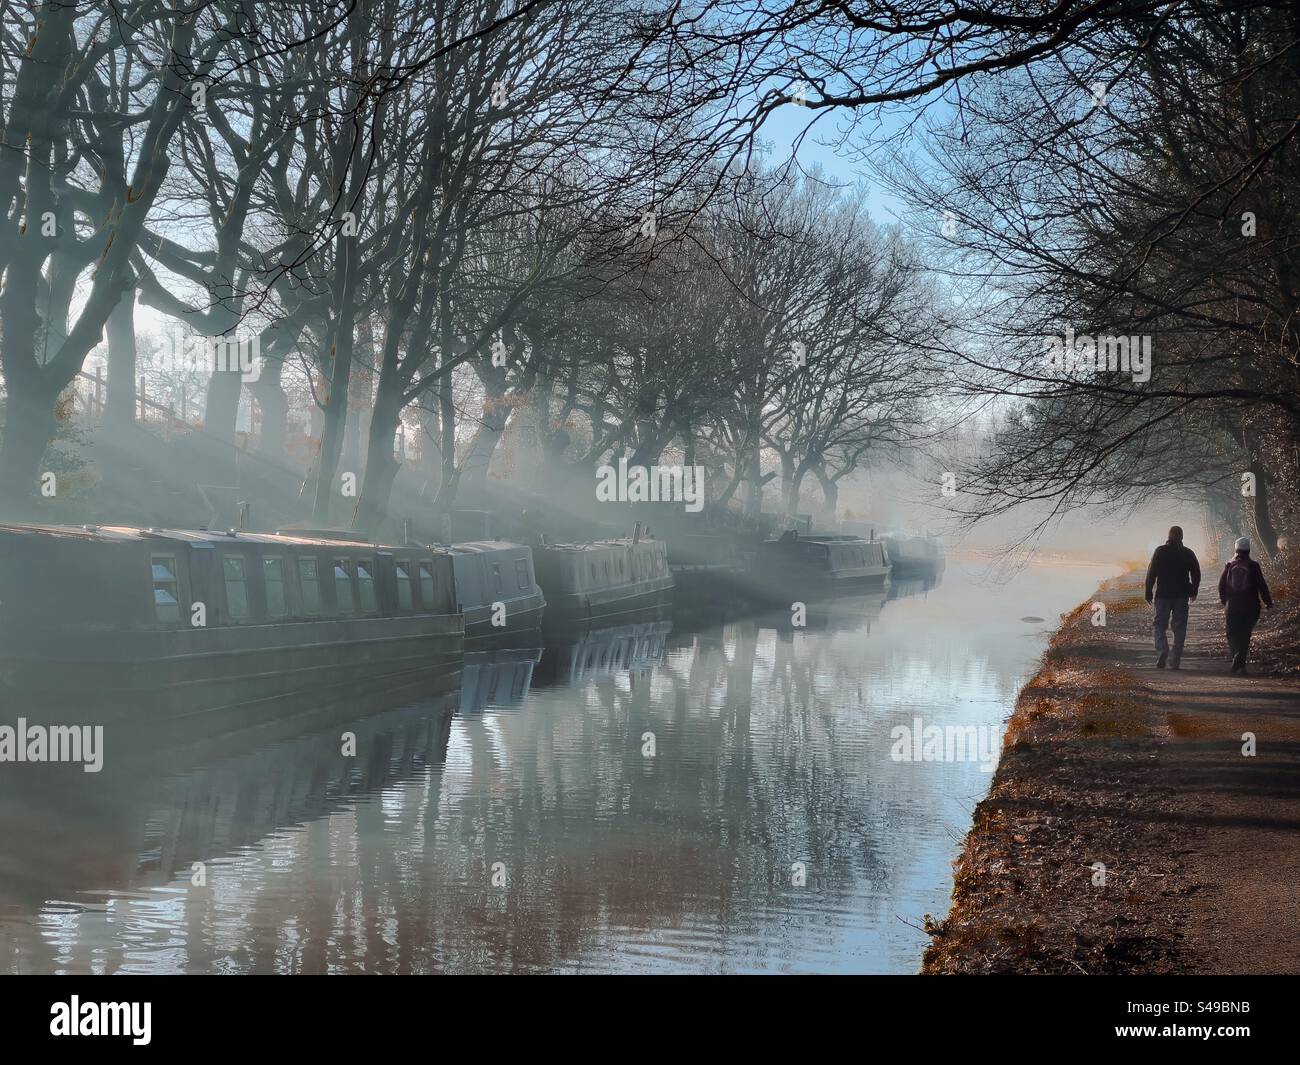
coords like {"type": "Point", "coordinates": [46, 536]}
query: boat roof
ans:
{"type": "Point", "coordinates": [822, 538]}
{"type": "Point", "coordinates": [597, 545]}
{"type": "Point", "coordinates": [131, 534]}
{"type": "Point", "coordinates": [484, 547]}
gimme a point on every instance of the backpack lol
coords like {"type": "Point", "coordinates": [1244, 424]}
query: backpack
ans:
{"type": "Point", "coordinates": [1240, 578]}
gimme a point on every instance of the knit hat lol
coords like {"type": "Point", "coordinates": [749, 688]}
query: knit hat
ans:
{"type": "Point", "coordinates": [1242, 544]}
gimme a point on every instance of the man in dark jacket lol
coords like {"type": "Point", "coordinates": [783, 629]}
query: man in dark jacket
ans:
{"type": "Point", "coordinates": [1174, 576]}
{"type": "Point", "coordinates": [1241, 587]}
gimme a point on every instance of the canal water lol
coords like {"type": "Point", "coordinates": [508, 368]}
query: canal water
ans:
{"type": "Point", "coordinates": [688, 795]}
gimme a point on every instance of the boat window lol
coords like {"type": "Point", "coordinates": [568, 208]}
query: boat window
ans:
{"type": "Point", "coordinates": [343, 585]}
{"type": "Point", "coordinates": [403, 586]}
{"type": "Point", "coordinates": [521, 573]}
{"type": "Point", "coordinates": [366, 585]}
{"type": "Point", "coordinates": [309, 573]}
{"type": "Point", "coordinates": [277, 604]}
{"type": "Point", "coordinates": [496, 578]}
{"type": "Point", "coordinates": [232, 566]}
{"type": "Point", "coordinates": [426, 584]}
{"type": "Point", "coordinates": [166, 598]}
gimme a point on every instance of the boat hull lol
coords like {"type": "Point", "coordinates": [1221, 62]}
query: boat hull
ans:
{"type": "Point", "coordinates": [796, 587]}
{"type": "Point", "coordinates": [179, 673]}
{"type": "Point", "coordinates": [522, 615]}
{"type": "Point", "coordinates": [578, 607]}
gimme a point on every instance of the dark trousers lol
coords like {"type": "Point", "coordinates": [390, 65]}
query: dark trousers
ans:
{"type": "Point", "coordinates": [1240, 625]}
{"type": "Point", "coordinates": [1170, 613]}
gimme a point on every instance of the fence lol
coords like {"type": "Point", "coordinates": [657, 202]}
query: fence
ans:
{"type": "Point", "coordinates": [89, 392]}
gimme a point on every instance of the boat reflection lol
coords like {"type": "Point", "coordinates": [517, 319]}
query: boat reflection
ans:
{"type": "Point", "coordinates": [903, 587]}
{"type": "Point", "coordinates": [498, 679]}
{"type": "Point", "coordinates": [841, 613]}
{"type": "Point", "coordinates": [573, 658]}
{"type": "Point", "coordinates": [157, 808]}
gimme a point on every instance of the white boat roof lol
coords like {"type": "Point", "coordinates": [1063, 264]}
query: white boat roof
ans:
{"type": "Point", "coordinates": [598, 545]}
{"type": "Point", "coordinates": [484, 547]}
{"type": "Point", "coordinates": [132, 534]}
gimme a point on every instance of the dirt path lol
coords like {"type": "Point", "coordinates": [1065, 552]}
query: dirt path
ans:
{"type": "Point", "coordinates": [1113, 761]}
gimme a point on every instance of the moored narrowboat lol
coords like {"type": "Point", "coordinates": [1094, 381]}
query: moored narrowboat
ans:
{"type": "Point", "coordinates": [795, 568]}
{"type": "Point", "coordinates": [186, 621]}
{"type": "Point", "coordinates": [603, 579]}
{"type": "Point", "coordinates": [496, 588]}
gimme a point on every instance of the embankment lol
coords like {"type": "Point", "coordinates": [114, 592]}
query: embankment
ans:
{"type": "Point", "coordinates": [1134, 825]}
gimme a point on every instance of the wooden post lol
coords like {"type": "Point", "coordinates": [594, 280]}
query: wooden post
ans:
{"type": "Point", "coordinates": [99, 391]}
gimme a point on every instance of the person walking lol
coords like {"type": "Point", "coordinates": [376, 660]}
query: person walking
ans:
{"type": "Point", "coordinates": [1241, 587]}
{"type": "Point", "coordinates": [1173, 578]}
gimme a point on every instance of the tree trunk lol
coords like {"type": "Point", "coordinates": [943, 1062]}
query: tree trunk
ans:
{"type": "Point", "coordinates": [1261, 511]}
{"type": "Point", "coordinates": [447, 416]}
{"type": "Point", "coordinates": [478, 459]}
{"type": "Point", "coordinates": [331, 444]}
{"type": "Point", "coordinates": [269, 394]}
{"type": "Point", "coordinates": [221, 408]}
{"type": "Point", "coordinates": [361, 399]}
{"type": "Point", "coordinates": [29, 427]}
{"type": "Point", "coordinates": [830, 493]}
{"type": "Point", "coordinates": [754, 481]}
{"type": "Point", "coordinates": [789, 488]}
{"type": "Point", "coordinates": [381, 463]}
{"type": "Point", "coordinates": [119, 405]}
{"type": "Point", "coordinates": [336, 400]}
{"type": "Point", "coordinates": [429, 464]}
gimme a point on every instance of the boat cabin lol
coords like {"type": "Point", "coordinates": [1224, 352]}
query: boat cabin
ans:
{"type": "Point", "coordinates": [489, 572]}
{"type": "Point", "coordinates": [125, 578]}
{"type": "Point", "coordinates": [848, 556]}
{"type": "Point", "coordinates": [604, 577]}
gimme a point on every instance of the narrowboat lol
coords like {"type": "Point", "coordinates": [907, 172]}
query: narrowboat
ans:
{"type": "Point", "coordinates": [795, 568]}
{"type": "Point", "coordinates": [914, 556]}
{"type": "Point", "coordinates": [186, 621]}
{"type": "Point", "coordinates": [496, 588]}
{"type": "Point", "coordinates": [603, 579]}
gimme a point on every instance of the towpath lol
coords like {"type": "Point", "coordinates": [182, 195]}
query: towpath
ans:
{"type": "Point", "coordinates": [1128, 829]}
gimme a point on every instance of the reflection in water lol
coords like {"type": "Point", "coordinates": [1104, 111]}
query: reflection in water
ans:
{"type": "Point", "coordinates": [639, 798]}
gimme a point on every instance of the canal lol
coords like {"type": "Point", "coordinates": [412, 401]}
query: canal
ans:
{"type": "Point", "coordinates": [693, 795]}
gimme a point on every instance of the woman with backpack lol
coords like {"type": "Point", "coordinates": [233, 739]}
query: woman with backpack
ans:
{"type": "Point", "coordinates": [1241, 588]}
